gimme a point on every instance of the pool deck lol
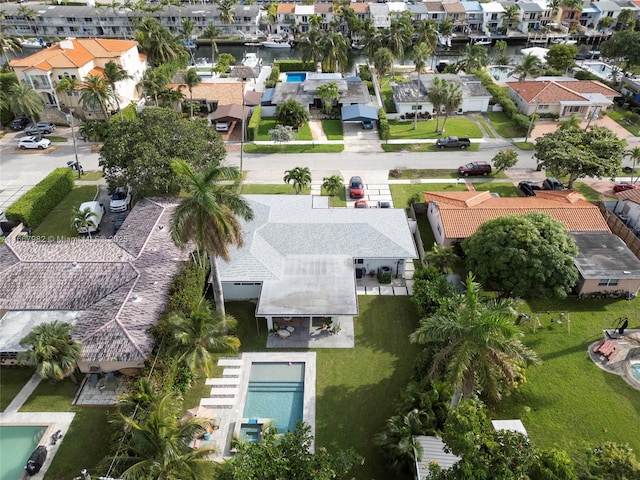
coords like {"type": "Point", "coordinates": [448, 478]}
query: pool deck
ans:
{"type": "Point", "coordinates": [310, 334]}
{"type": "Point", "coordinates": [229, 407]}
{"type": "Point", "coordinates": [627, 349]}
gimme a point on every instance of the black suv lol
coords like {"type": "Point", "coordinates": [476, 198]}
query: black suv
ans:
{"type": "Point", "coordinates": [528, 188]}
{"type": "Point", "coordinates": [19, 123]}
{"type": "Point", "coordinates": [552, 183]}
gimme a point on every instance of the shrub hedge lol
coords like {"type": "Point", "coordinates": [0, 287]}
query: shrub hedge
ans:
{"type": "Point", "coordinates": [295, 66]}
{"type": "Point", "coordinates": [383, 125]}
{"type": "Point", "coordinates": [186, 289]}
{"type": "Point", "coordinates": [37, 203]}
{"type": "Point", "coordinates": [254, 123]}
{"type": "Point", "coordinates": [274, 77]}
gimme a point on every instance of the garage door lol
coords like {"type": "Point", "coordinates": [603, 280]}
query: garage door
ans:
{"type": "Point", "coordinates": [241, 290]}
{"type": "Point", "coordinates": [473, 105]}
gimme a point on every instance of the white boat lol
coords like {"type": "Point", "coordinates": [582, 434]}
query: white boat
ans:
{"type": "Point", "coordinates": [563, 41]}
{"type": "Point", "coordinates": [251, 60]}
{"type": "Point", "coordinates": [482, 41]}
{"type": "Point", "coordinates": [203, 62]}
{"type": "Point", "coordinates": [356, 46]}
{"type": "Point", "coordinates": [32, 43]}
{"type": "Point", "coordinates": [275, 44]}
{"type": "Point", "coordinates": [448, 41]}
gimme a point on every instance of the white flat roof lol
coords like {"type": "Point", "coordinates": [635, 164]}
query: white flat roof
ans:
{"type": "Point", "coordinates": [492, 7]}
{"type": "Point", "coordinates": [512, 425]}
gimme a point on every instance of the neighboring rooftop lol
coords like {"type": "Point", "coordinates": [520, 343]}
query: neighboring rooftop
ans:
{"type": "Point", "coordinates": [550, 92]}
{"type": "Point", "coordinates": [604, 255]}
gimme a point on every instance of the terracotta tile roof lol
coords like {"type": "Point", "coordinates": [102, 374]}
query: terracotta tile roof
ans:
{"type": "Point", "coordinates": [554, 92]}
{"type": "Point", "coordinates": [96, 71]}
{"type": "Point", "coordinates": [323, 7]}
{"type": "Point", "coordinates": [454, 7]}
{"type": "Point", "coordinates": [286, 8]}
{"type": "Point", "coordinates": [462, 213]}
{"type": "Point", "coordinates": [361, 7]}
{"type": "Point", "coordinates": [631, 195]}
{"type": "Point", "coordinates": [84, 51]}
{"type": "Point", "coordinates": [225, 93]}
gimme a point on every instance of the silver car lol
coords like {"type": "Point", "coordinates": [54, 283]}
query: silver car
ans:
{"type": "Point", "coordinates": [34, 142]}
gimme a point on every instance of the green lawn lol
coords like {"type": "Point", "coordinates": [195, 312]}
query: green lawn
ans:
{"type": "Point", "coordinates": [92, 175]}
{"type": "Point", "coordinates": [56, 139]}
{"type": "Point", "coordinates": [503, 189]}
{"type": "Point", "coordinates": [410, 173]}
{"type": "Point", "coordinates": [617, 115]}
{"type": "Point", "coordinates": [503, 125]}
{"type": "Point", "coordinates": [89, 426]}
{"type": "Point", "coordinates": [266, 124]}
{"type": "Point", "coordinates": [387, 94]}
{"type": "Point", "coordinates": [12, 379]}
{"type": "Point", "coordinates": [486, 127]}
{"type": "Point", "coordinates": [456, 126]}
{"type": "Point", "coordinates": [313, 148]}
{"type": "Point", "coordinates": [339, 200]}
{"type": "Point", "coordinates": [402, 193]}
{"type": "Point", "coordinates": [332, 129]}
{"type": "Point", "coordinates": [58, 222]}
{"type": "Point", "coordinates": [589, 193]}
{"type": "Point", "coordinates": [524, 145]}
{"type": "Point", "coordinates": [568, 402]}
{"type": "Point", "coordinates": [260, 189]}
{"type": "Point", "coordinates": [421, 147]}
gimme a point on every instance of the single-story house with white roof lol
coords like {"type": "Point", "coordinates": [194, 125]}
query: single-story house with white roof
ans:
{"type": "Point", "coordinates": [301, 258]}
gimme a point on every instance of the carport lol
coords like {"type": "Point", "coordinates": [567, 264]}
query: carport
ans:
{"type": "Point", "coordinates": [227, 113]}
{"type": "Point", "coordinates": [359, 113]}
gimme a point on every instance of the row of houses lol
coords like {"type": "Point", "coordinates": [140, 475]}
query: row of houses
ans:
{"type": "Point", "coordinates": [467, 17]}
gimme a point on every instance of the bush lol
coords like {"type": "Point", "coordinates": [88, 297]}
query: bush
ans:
{"type": "Point", "coordinates": [186, 289]}
{"type": "Point", "coordinates": [274, 77]}
{"type": "Point", "coordinates": [254, 123]}
{"type": "Point", "coordinates": [364, 73]}
{"type": "Point", "coordinates": [521, 121]}
{"type": "Point", "coordinates": [383, 125]}
{"type": "Point", "coordinates": [552, 116]}
{"type": "Point", "coordinates": [582, 75]}
{"type": "Point", "coordinates": [295, 66]}
{"type": "Point", "coordinates": [32, 208]}
{"type": "Point", "coordinates": [384, 277]}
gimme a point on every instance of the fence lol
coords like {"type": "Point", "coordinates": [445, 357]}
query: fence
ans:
{"type": "Point", "coordinates": [619, 228]}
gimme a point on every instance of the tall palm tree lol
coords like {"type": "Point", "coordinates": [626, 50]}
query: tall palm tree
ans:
{"type": "Point", "coordinates": [158, 43]}
{"type": "Point", "coordinates": [426, 32]}
{"type": "Point", "coordinates": [634, 155]}
{"type": "Point", "coordinates": [211, 32]}
{"type": "Point", "coordinates": [113, 74]}
{"type": "Point", "coordinates": [336, 52]}
{"type": "Point", "coordinates": [511, 13]}
{"type": "Point", "coordinates": [482, 344]}
{"type": "Point", "coordinates": [383, 62]}
{"type": "Point", "coordinates": [83, 219]}
{"type": "Point", "coordinates": [95, 92]}
{"type": "Point", "coordinates": [312, 45]}
{"type": "Point", "coordinates": [300, 177]}
{"type": "Point", "coordinates": [373, 40]}
{"type": "Point", "coordinates": [52, 350]}
{"type": "Point", "coordinates": [191, 78]}
{"type": "Point", "coordinates": [529, 66]}
{"type": "Point", "coordinates": [29, 15]}
{"type": "Point", "coordinates": [398, 36]}
{"type": "Point", "coordinates": [420, 55]}
{"type": "Point", "coordinates": [208, 216]}
{"type": "Point", "coordinates": [474, 58]}
{"type": "Point", "coordinates": [226, 11]}
{"type": "Point", "coordinates": [199, 335]}
{"type": "Point", "coordinates": [25, 101]}
{"type": "Point", "coordinates": [437, 94]}
{"type": "Point", "coordinates": [159, 446]}
{"type": "Point", "coordinates": [8, 43]}
{"type": "Point", "coordinates": [452, 101]}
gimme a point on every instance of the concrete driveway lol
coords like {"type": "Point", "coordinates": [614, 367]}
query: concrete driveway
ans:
{"type": "Point", "coordinates": [357, 139]}
{"type": "Point", "coordinates": [549, 127]}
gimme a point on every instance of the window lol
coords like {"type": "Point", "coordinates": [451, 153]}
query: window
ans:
{"type": "Point", "coordinates": [608, 282]}
{"type": "Point", "coordinates": [359, 261]}
{"type": "Point", "coordinates": [494, 16]}
{"type": "Point", "coordinates": [434, 16]}
{"type": "Point", "coordinates": [543, 107]}
{"type": "Point", "coordinates": [574, 109]}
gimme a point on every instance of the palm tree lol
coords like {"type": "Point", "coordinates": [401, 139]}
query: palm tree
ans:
{"type": "Point", "coordinates": [226, 11]}
{"type": "Point", "coordinates": [29, 15]}
{"type": "Point", "coordinates": [511, 13]}
{"type": "Point", "coordinates": [52, 350]}
{"type": "Point", "coordinates": [452, 101]}
{"type": "Point", "coordinates": [420, 55]}
{"type": "Point", "coordinates": [299, 176]}
{"type": "Point", "coordinates": [529, 66]}
{"type": "Point", "coordinates": [312, 46]}
{"type": "Point", "coordinates": [25, 101]}
{"type": "Point", "coordinates": [634, 155]}
{"type": "Point", "coordinates": [154, 83]}
{"type": "Point", "coordinates": [8, 43]}
{"type": "Point", "coordinates": [398, 36]}
{"type": "Point", "coordinates": [336, 52]}
{"type": "Point", "coordinates": [159, 446]}
{"type": "Point", "coordinates": [474, 58]}
{"type": "Point", "coordinates": [199, 335]}
{"type": "Point", "coordinates": [442, 258]}
{"type": "Point", "coordinates": [575, 6]}
{"type": "Point", "coordinates": [571, 123]}
{"type": "Point", "coordinates": [67, 85]}
{"type": "Point", "coordinates": [383, 62]}
{"type": "Point", "coordinates": [158, 43]}
{"type": "Point", "coordinates": [113, 74]}
{"type": "Point", "coordinates": [191, 79]}
{"type": "Point", "coordinates": [333, 184]}
{"type": "Point", "coordinates": [95, 92]}
{"type": "Point", "coordinates": [211, 32]}
{"type": "Point", "coordinates": [83, 220]}
{"type": "Point", "coordinates": [482, 346]}
{"type": "Point", "coordinates": [208, 216]}
{"type": "Point", "coordinates": [437, 94]}
{"type": "Point", "coordinates": [398, 440]}
{"type": "Point", "coordinates": [373, 41]}
{"type": "Point", "coordinates": [427, 33]}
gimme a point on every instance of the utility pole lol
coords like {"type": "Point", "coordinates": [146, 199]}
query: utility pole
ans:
{"type": "Point", "coordinates": [73, 136]}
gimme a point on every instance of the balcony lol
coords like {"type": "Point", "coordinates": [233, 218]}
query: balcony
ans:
{"type": "Point", "coordinates": [41, 85]}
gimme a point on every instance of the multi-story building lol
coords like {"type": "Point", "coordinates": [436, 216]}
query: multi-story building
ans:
{"type": "Point", "coordinates": [491, 17]}
{"type": "Point", "coordinates": [285, 18]}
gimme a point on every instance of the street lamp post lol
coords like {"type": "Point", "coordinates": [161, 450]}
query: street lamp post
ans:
{"type": "Point", "coordinates": [73, 136]}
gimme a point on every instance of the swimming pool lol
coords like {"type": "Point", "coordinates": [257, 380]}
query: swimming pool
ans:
{"type": "Point", "coordinates": [16, 446]}
{"type": "Point", "coordinates": [501, 73]}
{"type": "Point", "coordinates": [275, 391]}
{"type": "Point", "coordinates": [293, 77]}
{"type": "Point", "coordinates": [635, 371]}
{"type": "Point", "coordinates": [599, 69]}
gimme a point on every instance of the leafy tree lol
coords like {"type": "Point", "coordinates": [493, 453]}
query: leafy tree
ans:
{"type": "Point", "coordinates": [534, 245]}
{"type": "Point", "coordinates": [452, 101]}
{"type": "Point", "coordinates": [282, 134]}
{"type": "Point", "coordinates": [292, 113]}
{"type": "Point", "coordinates": [208, 216]}
{"type": "Point", "coordinates": [420, 55]}
{"type": "Point", "coordinates": [83, 219]}
{"type": "Point", "coordinates": [605, 22]}
{"type": "Point", "coordinates": [612, 461]}
{"type": "Point", "coordinates": [333, 185]}
{"type": "Point", "coordinates": [224, 63]}
{"type": "Point", "coordinates": [500, 45]}
{"type": "Point", "coordinates": [482, 348]}
{"type": "Point", "coordinates": [625, 19]}
{"type": "Point", "coordinates": [95, 92]}
{"type": "Point", "coordinates": [52, 350]}
{"type": "Point", "coordinates": [624, 45]}
{"type": "Point", "coordinates": [575, 153]}
{"type": "Point", "coordinates": [159, 446]}
{"type": "Point", "coordinates": [286, 456]}
{"type": "Point", "coordinates": [553, 464]}
{"type": "Point", "coordinates": [300, 177]}
{"type": "Point", "coordinates": [437, 96]}
{"type": "Point", "coordinates": [561, 56]}
{"type": "Point", "coordinates": [505, 159]}
{"type": "Point", "coordinates": [201, 334]}
{"type": "Point", "coordinates": [529, 66]}
{"type": "Point", "coordinates": [191, 79]}
{"type": "Point", "coordinates": [138, 152]}
{"type": "Point", "coordinates": [25, 101]}
{"type": "Point", "coordinates": [431, 291]}
{"type": "Point", "coordinates": [113, 74]}
{"type": "Point", "coordinates": [328, 93]}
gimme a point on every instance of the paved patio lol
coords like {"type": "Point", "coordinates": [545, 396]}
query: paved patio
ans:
{"type": "Point", "coordinates": [97, 393]}
{"type": "Point", "coordinates": [310, 334]}
{"type": "Point", "coordinates": [626, 354]}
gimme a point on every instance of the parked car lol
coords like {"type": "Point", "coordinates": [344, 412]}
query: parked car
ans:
{"type": "Point", "coordinates": [453, 142]}
{"type": "Point", "coordinates": [40, 128]}
{"type": "Point", "coordinates": [34, 142]}
{"type": "Point", "coordinates": [120, 200]}
{"type": "Point", "coordinates": [367, 124]}
{"type": "Point", "coordinates": [552, 183]}
{"type": "Point", "coordinates": [622, 186]}
{"type": "Point", "coordinates": [356, 188]}
{"type": "Point", "coordinates": [97, 212]}
{"type": "Point", "coordinates": [19, 123]}
{"type": "Point", "coordinates": [474, 168]}
{"type": "Point", "coordinates": [223, 126]}
{"type": "Point", "coordinates": [529, 188]}
{"type": "Point", "coordinates": [384, 204]}
{"type": "Point", "coordinates": [361, 204]}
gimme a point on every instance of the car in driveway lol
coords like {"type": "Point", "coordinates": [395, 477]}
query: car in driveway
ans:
{"type": "Point", "coordinates": [34, 142]}
{"type": "Point", "coordinates": [356, 187]}
{"type": "Point", "coordinates": [384, 204]}
{"type": "Point", "coordinates": [552, 183]}
{"type": "Point", "coordinates": [474, 168]}
{"type": "Point", "coordinates": [222, 126]}
{"type": "Point", "coordinates": [40, 128]}
{"type": "Point", "coordinates": [95, 213]}
{"type": "Point", "coordinates": [120, 200]}
{"type": "Point", "coordinates": [622, 186]}
{"type": "Point", "coordinates": [19, 123]}
{"type": "Point", "coordinates": [529, 188]}
{"type": "Point", "coordinates": [367, 124]}
{"type": "Point", "coordinates": [361, 204]}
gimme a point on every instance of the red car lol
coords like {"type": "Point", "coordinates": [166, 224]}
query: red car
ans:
{"type": "Point", "coordinates": [356, 188]}
{"type": "Point", "coordinates": [622, 186]}
{"type": "Point", "coordinates": [361, 204]}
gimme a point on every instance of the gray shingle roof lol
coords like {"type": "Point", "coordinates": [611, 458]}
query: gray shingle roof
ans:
{"type": "Point", "coordinates": [120, 285]}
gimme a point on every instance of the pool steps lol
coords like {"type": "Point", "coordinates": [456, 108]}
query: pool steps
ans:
{"type": "Point", "coordinates": [231, 372]}
{"type": "Point", "coordinates": [224, 390]}
{"type": "Point", "coordinates": [222, 381]}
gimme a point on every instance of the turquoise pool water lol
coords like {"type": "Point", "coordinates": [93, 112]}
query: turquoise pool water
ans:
{"type": "Point", "coordinates": [635, 371]}
{"type": "Point", "coordinates": [276, 391]}
{"type": "Point", "coordinates": [16, 446]}
{"type": "Point", "coordinates": [296, 77]}
{"type": "Point", "coordinates": [501, 73]}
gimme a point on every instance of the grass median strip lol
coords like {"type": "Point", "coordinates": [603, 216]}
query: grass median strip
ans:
{"type": "Point", "coordinates": [305, 148]}
{"type": "Point", "coordinates": [421, 147]}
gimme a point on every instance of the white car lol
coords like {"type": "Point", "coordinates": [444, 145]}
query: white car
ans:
{"type": "Point", "coordinates": [34, 142]}
{"type": "Point", "coordinates": [120, 200]}
{"type": "Point", "coordinates": [222, 126]}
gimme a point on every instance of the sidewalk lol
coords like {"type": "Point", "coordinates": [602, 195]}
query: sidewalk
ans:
{"type": "Point", "coordinates": [23, 394]}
